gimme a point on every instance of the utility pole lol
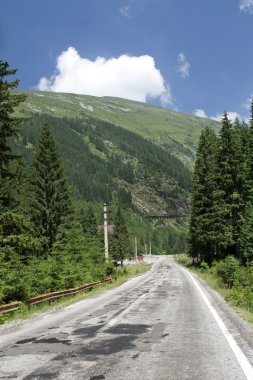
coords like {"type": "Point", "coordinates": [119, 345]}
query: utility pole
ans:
{"type": "Point", "coordinates": [106, 232]}
{"type": "Point", "coordinates": [135, 243]}
{"type": "Point", "coordinates": [146, 250]}
{"type": "Point", "coordinates": [150, 247]}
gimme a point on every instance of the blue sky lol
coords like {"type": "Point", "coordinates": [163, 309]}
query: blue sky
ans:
{"type": "Point", "coordinates": [194, 56]}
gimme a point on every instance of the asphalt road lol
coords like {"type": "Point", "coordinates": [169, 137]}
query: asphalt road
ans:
{"type": "Point", "coordinates": [161, 325]}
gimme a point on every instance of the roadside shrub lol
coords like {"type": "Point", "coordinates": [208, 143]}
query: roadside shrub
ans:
{"type": "Point", "coordinates": [14, 287]}
{"type": "Point", "coordinates": [227, 270]}
{"type": "Point", "coordinates": [204, 266]}
{"type": "Point", "coordinates": [121, 271]}
{"type": "Point", "coordinates": [110, 269]}
{"type": "Point", "coordinates": [241, 293]}
{"type": "Point", "coordinates": [184, 260]}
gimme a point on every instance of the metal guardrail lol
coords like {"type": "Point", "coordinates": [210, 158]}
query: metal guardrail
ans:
{"type": "Point", "coordinates": [7, 308]}
{"type": "Point", "coordinates": [63, 293]}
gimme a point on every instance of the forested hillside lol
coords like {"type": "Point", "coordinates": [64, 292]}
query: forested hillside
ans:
{"type": "Point", "coordinates": [120, 150]}
{"type": "Point", "coordinates": [102, 158]}
{"type": "Point", "coordinates": [176, 132]}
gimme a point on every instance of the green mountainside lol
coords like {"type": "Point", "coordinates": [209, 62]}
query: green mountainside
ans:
{"type": "Point", "coordinates": [124, 151]}
{"type": "Point", "coordinates": [176, 132]}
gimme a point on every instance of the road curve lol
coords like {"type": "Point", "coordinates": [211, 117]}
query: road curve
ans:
{"type": "Point", "coordinates": [157, 326]}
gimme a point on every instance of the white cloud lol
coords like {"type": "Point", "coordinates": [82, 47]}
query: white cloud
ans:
{"type": "Point", "coordinates": [166, 97]}
{"type": "Point", "coordinates": [247, 105]}
{"type": "Point", "coordinates": [125, 10]}
{"type": "Point", "coordinates": [183, 67]}
{"type": "Point", "coordinates": [246, 6]}
{"type": "Point", "coordinates": [129, 77]}
{"type": "Point", "coordinates": [200, 113]}
{"type": "Point", "coordinates": [218, 117]}
{"type": "Point", "coordinates": [231, 116]}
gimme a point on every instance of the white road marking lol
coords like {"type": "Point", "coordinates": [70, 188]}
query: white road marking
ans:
{"type": "Point", "coordinates": [243, 361]}
{"type": "Point", "coordinates": [74, 305]}
{"type": "Point", "coordinates": [113, 321]}
{"type": "Point", "coordinates": [46, 316]}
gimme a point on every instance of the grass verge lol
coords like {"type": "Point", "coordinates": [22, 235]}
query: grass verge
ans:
{"type": "Point", "coordinates": [216, 284]}
{"type": "Point", "coordinates": [122, 274]}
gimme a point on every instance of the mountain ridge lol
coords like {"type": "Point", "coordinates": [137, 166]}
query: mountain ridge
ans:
{"type": "Point", "coordinates": [176, 132]}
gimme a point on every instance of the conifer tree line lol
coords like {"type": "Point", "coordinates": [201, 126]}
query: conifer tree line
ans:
{"type": "Point", "coordinates": [48, 239]}
{"type": "Point", "coordinates": [221, 221]}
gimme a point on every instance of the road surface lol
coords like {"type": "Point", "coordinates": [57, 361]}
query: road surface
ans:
{"type": "Point", "coordinates": [161, 325]}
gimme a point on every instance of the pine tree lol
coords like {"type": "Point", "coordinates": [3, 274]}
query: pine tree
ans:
{"type": "Point", "coordinates": [124, 196]}
{"type": "Point", "coordinates": [246, 240]}
{"type": "Point", "coordinates": [88, 221]}
{"type": "Point", "coordinates": [240, 196]}
{"type": "Point", "coordinates": [251, 114]}
{"type": "Point", "coordinates": [249, 183]}
{"type": "Point", "coordinates": [231, 183]}
{"type": "Point", "coordinates": [51, 201]}
{"type": "Point", "coordinates": [126, 172]}
{"type": "Point", "coordinates": [16, 239]}
{"type": "Point", "coordinates": [70, 241]}
{"type": "Point", "coordinates": [8, 129]}
{"type": "Point", "coordinates": [246, 237]}
{"type": "Point", "coordinates": [120, 245]}
{"type": "Point", "coordinates": [203, 223]}
{"type": "Point", "coordinates": [80, 256]}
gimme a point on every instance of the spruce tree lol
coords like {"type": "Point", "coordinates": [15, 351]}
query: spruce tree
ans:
{"type": "Point", "coordinates": [88, 221]}
{"type": "Point", "coordinates": [246, 237]}
{"type": "Point", "coordinates": [70, 241]}
{"type": "Point", "coordinates": [8, 129]}
{"type": "Point", "coordinates": [203, 223]}
{"type": "Point", "coordinates": [120, 245]}
{"type": "Point", "coordinates": [16, 240]}
{"type": "Point", "coordinates": [251, 114]}
{"type": "Point", "coordinates": [246, 240]}
{"type": "Point", "coordinates": [51, 202]}
{"type": "Point", "coordinates": [240, 196]}
{"type": "Point", "coordinates": [250, 157]}
{"type": "Point", "coordinates": [80, 256]}
{"type": "Point", "coordinates": [231, 184]}
{"type": "Point", "coordinates": [124, 196]}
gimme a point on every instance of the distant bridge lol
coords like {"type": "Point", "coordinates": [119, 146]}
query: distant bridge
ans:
{"type": "Point", "coordinates": [167, 216]}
